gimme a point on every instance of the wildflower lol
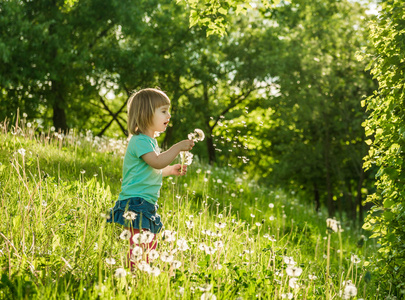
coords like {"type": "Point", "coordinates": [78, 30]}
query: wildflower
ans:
{"type": "Point", "coordinates": [153, 255]}
{"type": "Point", "coordinates": [155, 271]}
{"type": "Point", "coordinates": [110, 261]}
{"type": "Point", "coordinates": [210, 250]}
{"type": "Point", "coordinates": [144, 266]}
{"type": "Point", "coordinates": [289, 260]}
{"type": "Point", "coordinates": [220, 216]}
{"type": "Point", "coordinates": [125, 235]}
{"type": "Point", "coordinates": [182, 244]}
{"type": "Point", "coordinates": [205, 288]}
{"type": "Point", "coordinates": [293, 283]}
{"type": "Point", "coordinates": [190, 224]}
{"type": "Point", "coordinates": [355, 259]}
{"type": "Point", "coordinates": [258, 224]}
{"type": "Point", "coordinates": [206, 232]}
{"type": "Point", "coordinates": [120, 273]}
{"type": "Point", "coordinates": [105, 216]}
{"type": "Point", "coordinates": [287, 296]}
{"type": "Point", "coordinates": [293, 271]}
{"type": "Point", "coordinates": [169, 236]}
{"type": "Point", "coordinates": [143, 238]}
{"type": "Point", "coordinates": [21, 151]}
{"type": "Point", "coordinates": [202, 246]}
{"type": "Point", "coordinates": [197, 136]}
{"type": "Point", "coordinates": [137, 251]}
{"type": "Point", "coordinates": [271, 205]}
{"type": "Point", "coordinates": [252, 215]}
{"type": "Point", "coordinates": [176, 264]}
{"type": "Point", "coordinates": [220, 225]}
{"type": "Point", "coordinates": [312, 277]}
{"type": "Point", "coordinates": [349, 291]}
{"type": "Point", "coordinates": [333, 225]}
{"type": "Point", "coordinates": [130, 215]}
{"type": "Point", "coordinates": [208, 296]}
{"type": "Point", "coordinates": [166, 257]}
{"type": "Point", "coordinates": [186, 157]}
{"type": "Point", "coordinates": [219, 244]}
{"type": "Point", "coordinates": [25, 115]}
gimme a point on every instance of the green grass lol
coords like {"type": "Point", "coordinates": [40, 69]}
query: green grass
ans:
{"type": "Point", "coordinates": [55, 243]}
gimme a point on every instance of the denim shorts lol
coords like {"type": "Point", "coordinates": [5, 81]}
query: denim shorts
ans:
{"type": "Point", "coordinates": [145, 214]}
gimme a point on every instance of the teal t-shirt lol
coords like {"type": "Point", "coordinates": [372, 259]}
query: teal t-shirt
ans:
{"type": "Point", "coordinates": [138, 178]}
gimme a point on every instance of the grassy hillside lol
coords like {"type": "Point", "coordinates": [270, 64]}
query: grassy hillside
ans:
{"type": "Point", "coordinates": [244, 242]}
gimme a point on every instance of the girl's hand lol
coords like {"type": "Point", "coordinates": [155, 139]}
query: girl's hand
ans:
{"type": "Point", "coordinates": [177, 171]}
{"type": "Point", "coordinates": [186, 145]}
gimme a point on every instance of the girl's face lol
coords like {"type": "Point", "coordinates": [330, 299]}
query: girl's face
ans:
{"type": "Point", "coordinates": [161, 119]}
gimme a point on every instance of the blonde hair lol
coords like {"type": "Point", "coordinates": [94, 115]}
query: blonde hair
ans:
{"type": "Point", "coordinates": [141, 108]}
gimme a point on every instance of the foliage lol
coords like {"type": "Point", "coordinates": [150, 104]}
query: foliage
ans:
{"type": "Point", "coordinates": [55, 243]}
{"type": "Point", "coordinates": [386, 130]}
{"type": "Point", "coordinates": [214, 14]}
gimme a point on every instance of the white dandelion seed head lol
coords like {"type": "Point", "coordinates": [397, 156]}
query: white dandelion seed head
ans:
{"type": "Point", "coordinates": [22, 151]}
{"type": "Point", "coordinates": [287, 296]}
{"type": "Point", "coordinates": [349, 291]}
{"type": "Point", "coordinates": [289, 260]}
{"type": "Point", "coordinates": [208, 296]}
{"type": "Point", "coordinates": [125, 235]}
{"type": "Point", "coordinates": [190, 224]}
{"type": "Point", "coordinates": [186, 157]}
{"type": "Point", "coordinates": [202, 246]}
{"type": "Point", "coordinates": [355, 259]}
{"type": "Point", "coordinates": [176, 264]}
{"type": "Point", "coordinates": [144, 266]}
{"type": "Point", "coordinates": [182, 245]}
{"type": "Point", "coordinates": [219, 244]}
{"type": "Point", "coordinates": [110, 261]}
{"type": "Point", "coordinates": [220, 216]}
{"type": "Point", "coordinates": [293, 283]}
{"type": "Point", "coordinates": [252, 215]}
{"type": "Point", "coordinates": [169, 236]}
{"type": "Point", "coordinates": [155, 271]}
{"type": "Point", "coordinates": [210, 250]}
{"type": "Point", "coordinates": [120, 273]}
{"type": "Point", "coordinates": [153, 255]}
{"type": "Point", "coordinates": [293, 271]}
{"type": "Point", "coordinates": [271, 205]}
{"type": "Point", "coordinates": [166, 257]}
{"type": "Point", "coordinates": [130, 215]}
{"type": "Point", "coordinates": [205, 288]}
{"type": "Point", "coordinates": [137, 251]}
{"type": "Point", "coordinates": [220, 225]}
{"type": "Point", "coordinates": [333, 225]}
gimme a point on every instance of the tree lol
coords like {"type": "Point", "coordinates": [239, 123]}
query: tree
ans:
{"type": "Point", "coordinates": [386, 130]}
{"type": "Point", "coordinates": [311, 138]}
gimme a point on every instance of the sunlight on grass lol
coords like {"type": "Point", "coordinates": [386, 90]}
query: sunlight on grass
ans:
{"type": "Point", "coordinates": [225, 237]}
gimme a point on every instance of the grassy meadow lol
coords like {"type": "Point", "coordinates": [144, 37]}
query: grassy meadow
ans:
{"type": "Point", "coordinates": [227, 237]}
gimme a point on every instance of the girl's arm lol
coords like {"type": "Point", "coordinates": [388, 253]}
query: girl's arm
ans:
{"type": "Point", "coordinates": [162, 160]}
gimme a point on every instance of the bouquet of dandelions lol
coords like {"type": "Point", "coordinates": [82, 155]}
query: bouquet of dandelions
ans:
{"type": "Point", "coordinates": [186, 156]}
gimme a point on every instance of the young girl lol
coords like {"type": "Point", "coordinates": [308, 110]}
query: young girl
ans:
{"type": "Point", "coordinates": [144, 166]}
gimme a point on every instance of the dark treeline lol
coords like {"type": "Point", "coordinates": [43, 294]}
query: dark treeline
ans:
{"type": "Point", "coordinates": [277, 96]}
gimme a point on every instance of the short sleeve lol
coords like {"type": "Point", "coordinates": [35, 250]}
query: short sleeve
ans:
{"type": "Point", "coordinates": [142, 146]}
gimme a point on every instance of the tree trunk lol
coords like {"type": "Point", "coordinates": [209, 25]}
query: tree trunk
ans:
{"type": "Point", "coordinates": [59, 117]}
{"type": "Point", "coordinates": [210, 147]}
{"type": "Point", "coordinates": [316, 198]}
